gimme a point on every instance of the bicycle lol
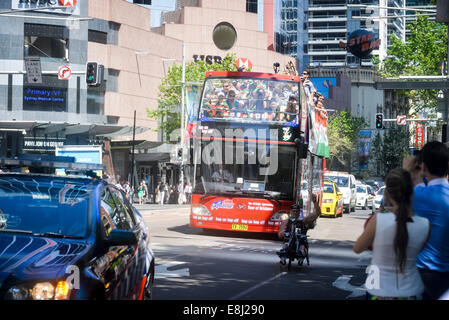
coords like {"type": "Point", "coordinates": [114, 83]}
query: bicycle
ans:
{"type": "Point", "coordinates": [296, 245]}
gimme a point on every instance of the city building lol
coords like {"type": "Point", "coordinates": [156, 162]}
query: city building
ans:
{"type": "Point", "coordinates": [38, 115]}
{"type": "Point", "coordinates": [44, 99]}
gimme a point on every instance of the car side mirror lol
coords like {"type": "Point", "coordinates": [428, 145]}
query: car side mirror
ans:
{"type": "Point", "coordinates": [121, 238]}
{"type": "Point", "coordinates": [339, 194]}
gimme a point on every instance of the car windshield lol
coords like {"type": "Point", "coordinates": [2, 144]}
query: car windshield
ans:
{"type": "Point", "coordinates": [339, 181]}
{"type": "Point", "coordinates": [44, 206]}
{"type": "Point", "coordinates": [361, 189]}
{"type": "Point", "coordinates": [328, 188]}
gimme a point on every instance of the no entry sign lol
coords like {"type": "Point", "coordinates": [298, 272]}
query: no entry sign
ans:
{"type": "Point", "coordinates": [64, 73]}
{"type": "Point", "coordinates": [401, 120]}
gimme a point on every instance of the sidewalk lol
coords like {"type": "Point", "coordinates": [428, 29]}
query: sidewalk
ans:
{"type": "Point", "coordinates": [153, 206]}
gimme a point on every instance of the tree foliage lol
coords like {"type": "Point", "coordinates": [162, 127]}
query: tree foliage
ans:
{"type": "Point", "coordinates": [168, 111]}
{"type": "Point", "coordinates": [343, 135]}
{"type": "Point", "coordinates": [394, 147]}
{"type": "Point", "coordinates": [420, 55]}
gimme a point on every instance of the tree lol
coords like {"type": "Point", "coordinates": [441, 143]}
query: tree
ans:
{"type": "Point", "coordinates": [169, 102]}
{"type": "Point", "coordinates": [395, 146]}
{"type": "Point", "coordinates": [421, 55]}
{"type": "Point", "coordinates": [343, 135]}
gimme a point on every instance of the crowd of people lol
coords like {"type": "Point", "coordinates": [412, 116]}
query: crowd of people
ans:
{"type": "Point", "coordinates": [163, 193]}
{"type": "Point", "coordinates": [258, 99]}
{"type": "Point", "coordinates": [253, 99]}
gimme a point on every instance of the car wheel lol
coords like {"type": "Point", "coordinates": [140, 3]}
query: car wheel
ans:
{"type": "Point", "coordinates": [335, 212]}
{"type": "Point", "coordinates": [365, 206]}
{"type": "Point", "coordinates": [148, 290]}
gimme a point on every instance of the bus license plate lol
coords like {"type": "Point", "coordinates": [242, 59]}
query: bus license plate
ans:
{"type": "Point", "coordinates": [241, 227]}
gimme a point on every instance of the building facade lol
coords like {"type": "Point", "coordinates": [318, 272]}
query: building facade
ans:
{"type": "Point", "coordinates": [37, 115]}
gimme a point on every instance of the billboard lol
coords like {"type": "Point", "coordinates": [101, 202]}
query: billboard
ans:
{"type": "Point", "coordinates": [82, 154]}
{"type": "Point", "coordinates": [322, 84]}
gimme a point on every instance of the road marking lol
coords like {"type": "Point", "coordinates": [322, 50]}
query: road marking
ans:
{"type": "Point", "coordinates": [256, 286]}
{"type": "Point", "coordinates": [162, 271]}
{"type": "Point", "coordinates": [342, 283]}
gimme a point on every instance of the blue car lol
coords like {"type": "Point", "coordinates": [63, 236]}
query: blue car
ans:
{"type": "Point", "coordinates": [64, 238]}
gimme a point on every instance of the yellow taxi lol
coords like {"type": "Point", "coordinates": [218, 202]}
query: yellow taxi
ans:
{"type": "Point", "coordinates": [332, 202]}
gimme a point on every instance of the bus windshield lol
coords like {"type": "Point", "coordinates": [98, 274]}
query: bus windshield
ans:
{"type": "Point", "coordinates": [252, 177]}
{"type": "Point", "coordinates": [250, 99]}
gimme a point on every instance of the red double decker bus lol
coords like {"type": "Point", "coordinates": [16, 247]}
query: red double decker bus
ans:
{"type": "Point", "coordinates": [250, 155]}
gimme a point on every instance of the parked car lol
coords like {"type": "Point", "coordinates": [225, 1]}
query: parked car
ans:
{"type": "Point", "coordinates": [332, 203]}
{"type": "Point", "coordinates": [364, 197]}
{"type": "Point", "coordinates": [66, 238]}
{"type": "Point", "coordinates": [378, 199]}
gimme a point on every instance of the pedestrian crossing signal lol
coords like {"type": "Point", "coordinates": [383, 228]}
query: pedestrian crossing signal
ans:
{"type": "Point", "coordinates": [379, 120]}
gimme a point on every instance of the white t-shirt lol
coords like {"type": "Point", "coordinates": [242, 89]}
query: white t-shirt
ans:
{"type": "Point", "coordinates": [391, 282]}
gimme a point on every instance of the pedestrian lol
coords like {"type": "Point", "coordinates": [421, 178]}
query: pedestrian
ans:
{"type": "Point", "coordinates": [396, 238]}
{"type": "Point", "coordinates": [164, 191]}
{"type": "Point", "coordinates": [141, 192]}
{"type": "Point", "coordinates": [157, 193]}
{"type": "Point", "coordinates": [181, 195]}
{"type": "Point", "coordinates": [308, 86]}
{"type": "Point", "coordinates": [431, 200]}
{"type": "Point", "coordinates": [127, 188]}
{"type": "Point", "coordinates": [188, 192]}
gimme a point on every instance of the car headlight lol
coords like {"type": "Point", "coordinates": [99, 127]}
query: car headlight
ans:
{"type": "Point", "coordinates": [328, 200]}
{"type": "Point", "coordinates": [200, 210]}
{"type": "Point", "coordinates": [40, 291]}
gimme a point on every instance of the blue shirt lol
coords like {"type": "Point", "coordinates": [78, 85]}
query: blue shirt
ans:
{"type": "Point", "coordinates": [432, 202]}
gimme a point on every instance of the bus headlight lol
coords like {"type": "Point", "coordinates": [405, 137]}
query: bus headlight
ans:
{"type": "Point", "coordinates": [280, 215]}
{"type": "Point", "coordinates": [200, 210]}
{"type": "Point", "coordinates": [327, 201]}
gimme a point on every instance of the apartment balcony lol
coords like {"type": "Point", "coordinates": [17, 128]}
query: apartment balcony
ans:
{"type": "Point", "coordinates": [331, 40]}
{"type": "Point", "coordinates": [331, 7]}
{"type": "Point", "coordinates": [327, 29]}
{"type": "Point", "coordinates": [326, 52]}
{"type": "Point", "coordinates": [330, 18]}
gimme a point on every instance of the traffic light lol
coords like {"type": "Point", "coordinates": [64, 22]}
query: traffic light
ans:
{"type": "Point", "coordinates": [179, 154]}
{"type": "Point", "coordinates": [92, 73]}
{"type": "Point", "coordinates": [379, 120]}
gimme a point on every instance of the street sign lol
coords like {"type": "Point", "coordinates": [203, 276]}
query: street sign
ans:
{"type": "Point", "coordinates": [420, 134]}
{"type": "Point", "coordinates": [64, 73]}
{"type": "Point", "coordinates": [33, 69]}
{"type": "Point", "coordinates": [244, 63]}
{"type": "Point", "coordinates": [401, 120]}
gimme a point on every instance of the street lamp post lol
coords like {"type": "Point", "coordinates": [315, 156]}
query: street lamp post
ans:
{"type": "Point", "coordinates": [183, 84]}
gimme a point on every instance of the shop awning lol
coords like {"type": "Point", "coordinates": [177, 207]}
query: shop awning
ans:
{"type": "Point", "coordinates": [154, 151]}
{"type": "Point", "coordinates": [97, 130]}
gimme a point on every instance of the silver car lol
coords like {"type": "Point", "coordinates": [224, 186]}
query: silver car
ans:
{"type": "Point", "coordinates": [364, 197]}
{"type": "Point", "coordinates": [378, 199]}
